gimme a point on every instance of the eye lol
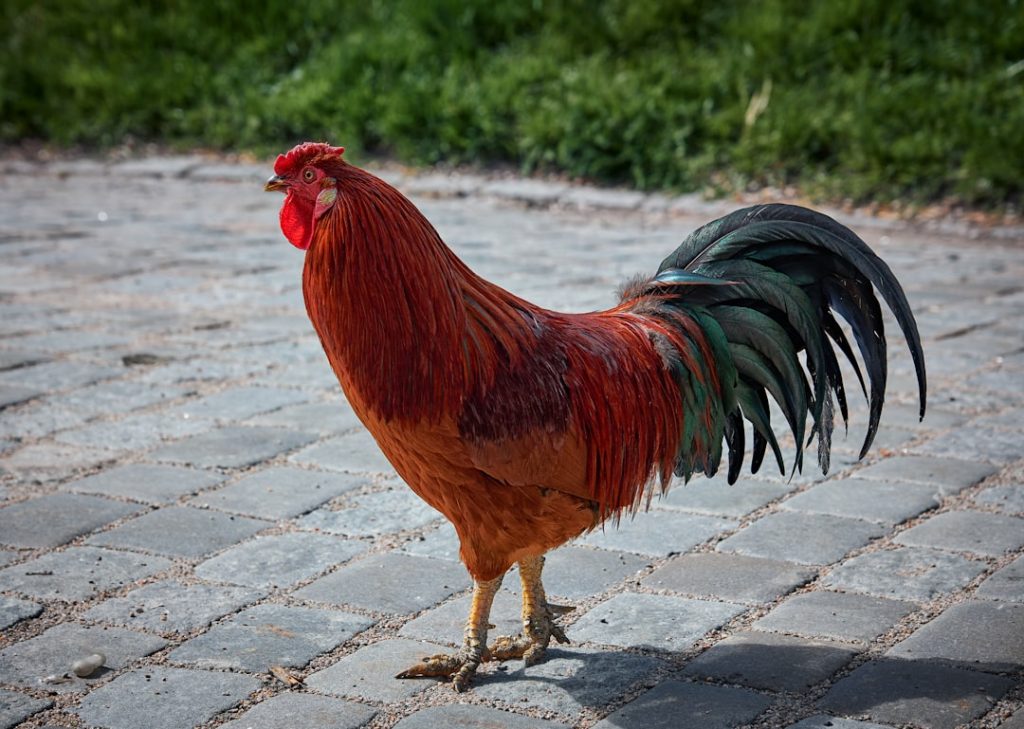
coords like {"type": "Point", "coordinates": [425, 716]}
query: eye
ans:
{"type": "Point", "coordinates": [308, 174]}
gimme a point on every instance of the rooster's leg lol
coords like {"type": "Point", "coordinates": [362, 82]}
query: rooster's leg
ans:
{"type": "Point", "coordinates": [463, 665]}
{"type": "Point", "coordinates": [538, 619]}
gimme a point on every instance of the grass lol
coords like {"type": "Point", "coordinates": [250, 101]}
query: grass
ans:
{"type": "Point", "coordinates": [866, 99]}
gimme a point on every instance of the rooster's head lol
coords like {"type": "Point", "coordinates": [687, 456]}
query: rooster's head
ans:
{"type": "Point", "coordinates": [306, 176]}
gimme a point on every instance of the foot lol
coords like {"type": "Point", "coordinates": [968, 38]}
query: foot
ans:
{"type": "Point", "coordinates": [460, 666]}
{"type": "Point", "coordinates": [539, 629]}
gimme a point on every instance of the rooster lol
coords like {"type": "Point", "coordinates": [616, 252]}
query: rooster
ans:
{"type": "Point", "coordinates": [527, 427]}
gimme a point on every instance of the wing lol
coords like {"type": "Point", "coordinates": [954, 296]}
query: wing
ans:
{"type": "Point", "coordinates": [588, 408]}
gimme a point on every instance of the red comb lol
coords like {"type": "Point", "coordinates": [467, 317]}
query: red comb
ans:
{"type": "Point", "coordinates": [304, 154]}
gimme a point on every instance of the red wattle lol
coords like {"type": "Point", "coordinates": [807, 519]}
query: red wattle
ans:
{"type": "Point", "coordinates": [297, 221]}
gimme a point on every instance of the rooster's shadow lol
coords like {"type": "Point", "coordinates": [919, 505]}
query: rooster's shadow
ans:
{"type": "Point", "coordinates": [835, 680]}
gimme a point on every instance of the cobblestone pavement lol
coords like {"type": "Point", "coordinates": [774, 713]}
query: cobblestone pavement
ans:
{"type": "Point", "coordinates": [185, 490]}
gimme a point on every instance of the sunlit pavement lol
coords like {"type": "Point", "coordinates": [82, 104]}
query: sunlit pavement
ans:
{"type": "Point", "coordinates": [186, 491]}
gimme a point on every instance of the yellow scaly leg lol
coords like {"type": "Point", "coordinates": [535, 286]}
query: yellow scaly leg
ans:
{"type": "Point", "coordinates": [462, 665]}
{"type": "Point", "coordinates": [538, 619]}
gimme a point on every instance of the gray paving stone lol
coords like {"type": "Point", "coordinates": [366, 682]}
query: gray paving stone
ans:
{"type": "Point", "coordinates": [54, 519]}
{"type": "Point", "coordinates": [445, 624]}
{"type": "Point", "coordinates": [228, 171]}
{"type": "Point", "coordinates": [172, 607]}
{"type": "Point", "coordinates": [464, 716]}
{"type": "Point", "coordinates": [1008, 498]}
{"type": "Point", "coordinates": [180, 531]}
{"type": "Point", "coordinates": [38, 419]}
{"type": "Point", "coordinates": [823, 538]}
{"type": "Point", "coordinates": [303, 711]}
{"type": "Point", "coordinates": [78, 572]}
{"type": "Point", "coordinates": [905, 573]}
{"type": "Point", "coordinates": [658, 533]}
{"type": "Point", "coordinates": [118, 396]}
{"type": "Point", "coordinates": [531, 192]}
{"type": "Point", "coordinates": [947, 475]}
{"type": "Point", "coordinates": [591, 197]}
{"type": "Point", "coordinates": [882, 501]}
{"type": "Point", "coordinates": [15, 708]}
{"type": "Point", "coordinates": [45, 462]}
{"type": "Point", "coordinates": [169, 698]}
{"type": "Point", "coordinates": [133, 433]}
{"type": "Point", "coordinates": [887, 438]}
{"type": "Point", "coordinates": [568, 680]}
{"type": "Point", "coordinates": [978, 532]}
{"type": "Point", "coordinates": [731, 577]}
{"type": "Point", "coordinates": [149, 483]}
{"type": "Point", "coordinates": [269, 635]}
{"type": "Point", "coordinates": [771, 661]}
{"type": "Point", "coordinates": [356, 452]}
{"type": "Point", "coordinates": [440, 543]}
{"type": "Point", "coordinates": [279, 492]}
{"type": "Point", "coordinates": [832, 722]}
{"type": "Point", "coordinates": [918, 693]}
{"type": "Point", "coordinates": [371, 515]}
{"type": "Point", "coordinates": [718, 498]}
{"type": "Point", "coordinates": [839, 463]}
{"type": "Point", "coordinates": [1014, 722]}
{"type": "Point", "coordinates": [389, 583]}
{"type": "Point", "coordinates": [15, 394]}
{"type": "Point", "coordinates": [991, 444]}
{"type": "Point", "coordinates": [170, 166]}
{"type": "Point", "coordinates": [13, 358]}
{"type": "Point", "coordinates": [684, 705]}
{"type": "Point", "coordinates": [987, 636]}
{"type": "Point", "coordinates": [13, 610]}
{"type": "Point", "coordinates": [369, 673]}
{"type": "Point", "coordinates": [440, 185]}
{"type": "Point", "coordinates": [53, 652]}
{"type": "Point", "coordinates": [325, 418]}
{"type": "Point", "coordinates": [660, 622]}
{"type": "Point", "coordinates": [577, 572]}
{"type": "Point", "coordinates": [1005, 584]}
{"type": "Point", "coordinates": [232, 447]}
{"type": "Point", "coordinates": [280, 560]}
{"type": "Point", "coordinates": [840, 616]}
{"type": "Point", "coordinates": [237, 403]}
{"type": "Point", "coordinates": [203, 369]}
{"type": "Point", "coordinates": [63, 342]}
{"type": "Point", "coordinates": [51, 376]}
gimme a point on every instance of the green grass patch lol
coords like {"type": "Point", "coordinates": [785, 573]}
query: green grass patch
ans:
{"type": "Point", "coordinates": [869, 99]}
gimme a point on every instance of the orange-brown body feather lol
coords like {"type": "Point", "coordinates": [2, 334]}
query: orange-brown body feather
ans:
{"type": "Point", "coordinates": [507, 418]}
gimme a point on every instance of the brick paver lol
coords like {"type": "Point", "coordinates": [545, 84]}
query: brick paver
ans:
{"type": "Point", "coordinates": [679, 705]}
{"type": "Point", "coordinates": [184, 488]}
{"type": "Point", "coordinates": [269, 635]}
{"type": "Point", "coordinates": [770, 661]}
{"type": "Point", "coordinates": [288, 710]}
{"type": "Point", "coordinates": [838, 615]}
{"type": "Point", "coordinates": [172, 698]}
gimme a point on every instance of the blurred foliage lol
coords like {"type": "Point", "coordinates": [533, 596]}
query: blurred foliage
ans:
{"type": "Point", "coordinates": [862, 98]}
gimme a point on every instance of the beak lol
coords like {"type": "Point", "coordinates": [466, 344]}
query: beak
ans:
{"type": "Point", "coordinates": [275, 184]}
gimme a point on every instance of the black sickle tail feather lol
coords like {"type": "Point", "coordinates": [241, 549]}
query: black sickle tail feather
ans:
{"type": "Point", "coordinates": [763, 283]}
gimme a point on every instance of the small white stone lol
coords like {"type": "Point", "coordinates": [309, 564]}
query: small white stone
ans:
{"type": "Point", "coordinates": [87, 666]}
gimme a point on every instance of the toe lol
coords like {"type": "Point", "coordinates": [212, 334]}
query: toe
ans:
{"type": "Point", "coordinates": [440, 664]}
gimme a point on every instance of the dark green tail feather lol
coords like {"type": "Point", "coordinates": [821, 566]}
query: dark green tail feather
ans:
{"type": "Point", "coordinates": [764, 281]}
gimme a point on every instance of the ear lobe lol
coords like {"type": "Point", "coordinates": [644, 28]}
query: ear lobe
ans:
{"type": "Point", "coordinates": [324, 201]}
{"type": "Point", "coordinates": [297, 221]}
